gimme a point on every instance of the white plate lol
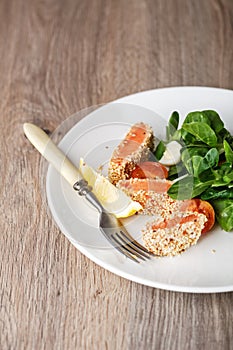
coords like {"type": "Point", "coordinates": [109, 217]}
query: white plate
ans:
{"type": "Point", "coordinates": [204, 268]}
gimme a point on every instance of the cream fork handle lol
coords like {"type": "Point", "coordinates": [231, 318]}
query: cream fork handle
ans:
{"type": "Point", "coordinates": [52, 153]}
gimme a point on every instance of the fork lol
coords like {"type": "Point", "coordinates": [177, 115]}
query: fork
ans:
{"type": "Point", "coordinates": [109, 225]}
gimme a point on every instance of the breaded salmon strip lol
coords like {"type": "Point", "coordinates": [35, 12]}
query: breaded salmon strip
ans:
{"type": "Point", "coordinates": [173, 236]}
{"type": "Point", "coordinates": [135, 148]}
{"type": "Point", "coordinates": [151, 194]}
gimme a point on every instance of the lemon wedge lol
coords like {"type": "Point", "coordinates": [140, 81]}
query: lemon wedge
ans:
{"type": "Point", "coordinates": [112, 198]}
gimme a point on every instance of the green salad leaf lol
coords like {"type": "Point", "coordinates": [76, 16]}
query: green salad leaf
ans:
{"type": "Point", "coordinates": [188, 187]}
{"type": "Point", "coordinates": [202, 132]}
{"type": "Point", "coordinates": [160, 150]}
{"type": "Point", "coordinates": [224, 209]}
{"type": "Point", "coordinates": [198, 117]}
{"type": "Point", "coordinates": [172, 126]}
{"type": "Point", "coordinates": [197, 163]}
{"type": "Point", "coordinates": [228, 151]}
{"type": "Point", "coordinates": [217, 193]}
{"type": "Point", "coordinates": [215, 121]}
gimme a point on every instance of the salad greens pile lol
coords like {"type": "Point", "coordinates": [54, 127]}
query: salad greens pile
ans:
{"type": "Point", "coordinates": [206, 167]}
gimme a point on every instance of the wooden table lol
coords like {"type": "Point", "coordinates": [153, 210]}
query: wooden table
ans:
{"type": "Point", "coordinates": [58, 57]}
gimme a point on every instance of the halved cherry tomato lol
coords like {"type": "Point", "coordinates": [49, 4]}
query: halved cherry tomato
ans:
{"type": "Point", "coordinates": [203, 207]}
{"type": "Point", "coordinates": [149, 170]}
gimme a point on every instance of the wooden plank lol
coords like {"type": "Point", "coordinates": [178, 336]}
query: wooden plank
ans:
{"type": "Point", "coordinates": [59, 57]}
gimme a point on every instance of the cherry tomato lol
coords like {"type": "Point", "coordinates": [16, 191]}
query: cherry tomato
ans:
{"type": "Point", "coordinates": [203, 207]}
{"type": "Point", "coordinates": [150, 170]}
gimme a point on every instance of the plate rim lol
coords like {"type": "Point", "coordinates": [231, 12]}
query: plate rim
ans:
{"type": "Point", "coordinates": [173, 87]}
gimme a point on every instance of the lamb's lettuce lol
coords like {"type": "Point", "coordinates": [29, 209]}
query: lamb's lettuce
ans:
{"type": "Point", "coordinates": [228, 151]}
{"type": "Point", "coordinates": [223, 210]}
{"type": "Point", "coordinates": [217, 193]}
{"type": "Point", "coordinates": [172, 126]}
{"type": "Point", "coordinates": [201, 132]}
{"type": "Point", "coordinates": [188, 187]}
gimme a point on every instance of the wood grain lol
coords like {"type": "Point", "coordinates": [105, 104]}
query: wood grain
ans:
{"type": "Point", "coordinates": [58, 57]}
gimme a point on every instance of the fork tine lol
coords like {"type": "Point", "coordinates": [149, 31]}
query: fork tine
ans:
{"type": "Point", "coordinates": [135, 243]}
{"type": "Point", "coordinates": [123, 250]}
{"type": "Point", "coordinates": [133, 246]}
{"type": "Point", "coordinates": [127, 246]}
{"type": "Point", "coordinates": [118, 245]}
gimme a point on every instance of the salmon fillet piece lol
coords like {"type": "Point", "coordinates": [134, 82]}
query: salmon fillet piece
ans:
{"type": "Point", "coordinates": [173, 236]}
{"type": "Point", "coordinates": [176, 224]}
{"type": "Point", "coordinates": [134, 148]}
{"type": "Point", "coordinates": [151, 194]}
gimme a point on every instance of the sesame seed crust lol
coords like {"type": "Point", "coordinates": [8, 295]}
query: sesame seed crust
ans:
{"type": "Point", "coordinates": [120, 167]}
{"type": "Point", "coordinates": [153, 203]}
{"type": "Point", "coordinates": [174, 240]}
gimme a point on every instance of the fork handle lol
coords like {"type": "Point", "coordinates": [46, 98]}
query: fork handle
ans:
{"type": "Point", "coordinates": [52, 153]}
{"type": "Point", "coordinates": [85, 190]}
